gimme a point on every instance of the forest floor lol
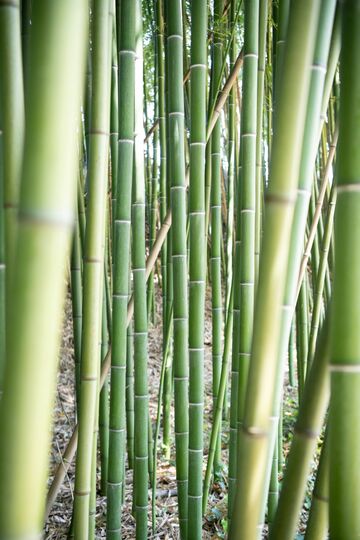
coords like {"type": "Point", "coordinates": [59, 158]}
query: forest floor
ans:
{"type": "Point", "coordinates": [215, 521]}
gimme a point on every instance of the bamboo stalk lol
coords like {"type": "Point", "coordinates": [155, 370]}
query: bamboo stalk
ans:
{"type": "Point", "coordinates": [220, 401]}
{"type": "Point", "coordinates": [263, 17]}
{"type": "Point", "coordinates": [310, 143]}
{"type": "Point", "coordinates": [307, 430]}
{"type": "Point", "coordinates": [44, 227]}
{"type": "Point", "coordinates": [197, 262]}
{"type": "Point", "coordinates": [121, 262]}
{"type": "Point", "coordinates": [76, 297]}
{"type": "Point", "coordinates": [141, 408]}
{"type": "Point", "coordinates": [168, 335]}
{"type": "Point", "coordinates": [318, 523]}
{"type": "Point", "coordinates": [179, 262]}
{"type": "Point", "coordinates": [2, 268]}
{"type": "Point", "coordinates": [13, 122]}
{"type": "Point", "coordinates": [280, 202]}
{"type": "Point", "coordinates": [216, 220]}
{"type": "Point", "coordinates": [247, 186]}
{"type": "Point", "coordinates": [93, 268]}
{"type": "Point", "coordinates": [344, 435]}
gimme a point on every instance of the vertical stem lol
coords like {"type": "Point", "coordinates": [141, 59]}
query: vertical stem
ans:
{"type": "Point", "coordinates": [13, 122]}
{"type": "Point", "coordinates": [247, 186]}
{"type": "Point", "coordinates": [344, 417]}
{"type": "Point", "coordinates": [140, 311]}
{"type": "Point", "coordinates": [263, 17]}
{"type": "Point", "coordinates": [179, 260]}
{"type": "Point", "coordinates": [215, 218]}
{"type": "Point", "coordinates": [307, 430]}
{"type": "Point", "coordinates": [121, 263]}
{"type": "Point", "coordinates": [76, 297]}
{"type": "Point", "coordinates": [93, 267]}
{"type": "Point", "coordinates": [45, 221]}
{"type": "Point", "coordinates": [285, 159]}
{"type": "Point", "coordinates": [197, 262]}
{"type": "Point", "coordinates": [317, 527]}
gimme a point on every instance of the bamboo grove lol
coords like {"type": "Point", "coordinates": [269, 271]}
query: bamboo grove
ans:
{"type": "Point", "coordinates": [190, 170]}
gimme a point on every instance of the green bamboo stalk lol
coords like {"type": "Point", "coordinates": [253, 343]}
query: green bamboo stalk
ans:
{"type": "Point", "coordinates": [25, 36]}
{"type": "Point", "coordinates": [88, 95]}
{"type": "Point", "coordinates": [140, 310]}
{"type": "Point", "coordinates": [247, 186]}
{"type": "Point", "coordinates": [101, 425]}
{"type": "Point", "coordinates": [114, 123]}
{"type": "Point", "coordinates": [234, 376]}
{"type": "Point", "coordinates": [93, 267]}
{"type": "Point", "coordinates": [263, 17]}
{"type": "Point", "coordinates": [232, 468]}
{"type": "Point", "coordinates": [315, 250]}
{"type": "Point", "coordinates": [150, 449]}
{"type": "Point", "coordinates": [245, 239]}
{"type": "Point", "coordinates": [130, 396]}
{"type": "Point", "coordinates": [13, 123]}
{"type": "Point", "coordinates": [231, 167]}
{"type": "Point", "coordinates": [2, 266]}
{"type": "Point", "coordinates": [325, 141]}
{"type": "Point", "coordinates": [168, 334]}
{"type": "Point", "coordinates": [216, 220]}
{"type": "Point", "coordinates": [104, 403]}
{"type": "Point", "coordinates": [93, 491]}
{"type": "Point", "coordinates": [121, 261]}
{"type": "Point", "coordinates": [168, 384]}
{"type": "Point", "coordinates": [307, 430]}
{"type": "Point", "coordinates": [310, 142]}
{"type": "Point", "coordinates": [344, 435]}
{"type": "Point", "coordinates": [76, 297]}
{"type": "Point", "coordinates": [179, 262]}
{"type": "Point", "coordinates": [285, 159]}
{"type": "Point", "coordinates": [81, 211]}
{"type": "Point", "coordinates": [274, 483]}
{"type": "Point", "coordinates": [318, 521]}
{"type": "Point", "coordinates": [207, 189]}
{"type": "Point", "coordinates": [197, 262]}
{"type": "Point", "coordinates": [148, 184]}
{"type": "Point", "coordinates": [44, 226]}
{"type": "Point", "coordinates": [280, 35]}
{"type": "Point", "coordinates": [162, 151]}
{"type": "Point", "coordinates": [153, 207]}
{"type": "Point", "coordinates": [269, 86]}
{"type": "Point", "coordinates": [302, 337]}
{"type": "Point", "coordinates": [220, 402]}
{"type": "Point", "coordinates": [292, 352]}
